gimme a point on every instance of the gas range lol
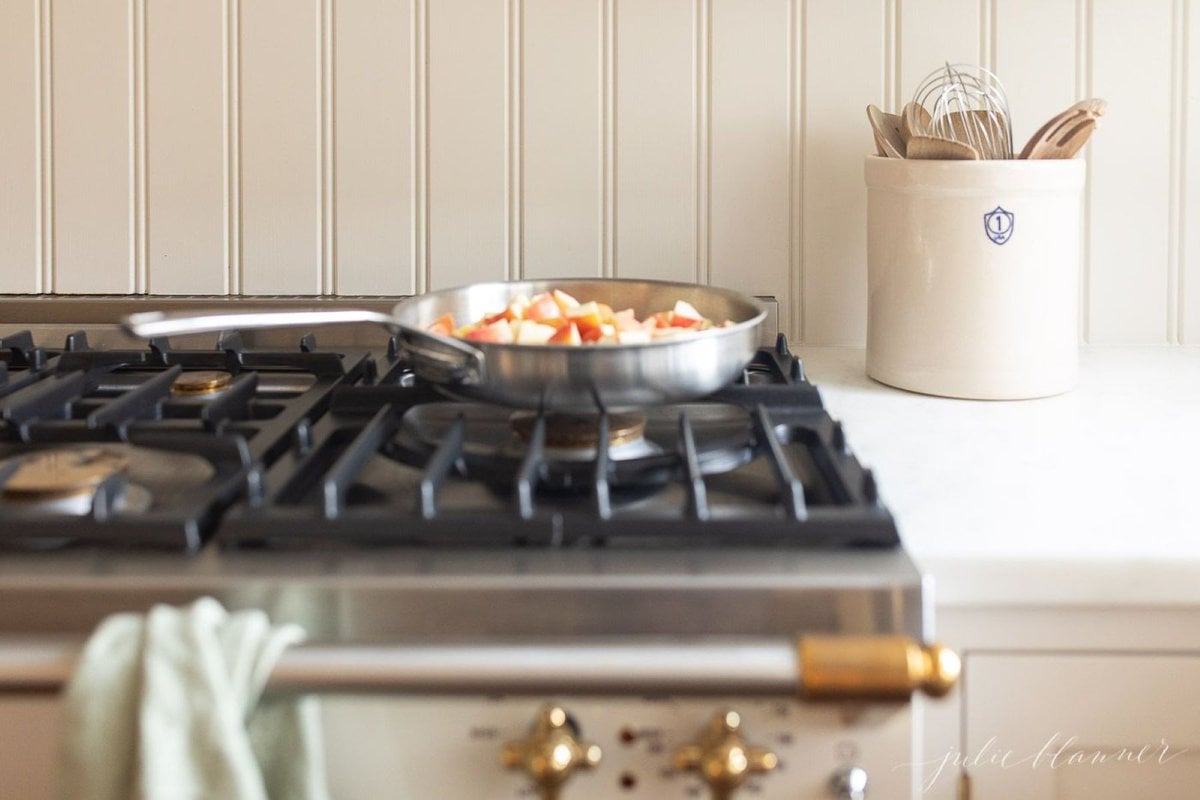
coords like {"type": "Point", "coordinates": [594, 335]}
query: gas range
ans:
{"type": "Point", "coordinates": [233, 467]}
{"type": "Point", "coordinates": [431, 546]}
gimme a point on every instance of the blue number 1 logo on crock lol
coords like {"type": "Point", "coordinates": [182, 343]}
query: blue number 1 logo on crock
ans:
{"type": "Point", "coordinates": [998, 224]}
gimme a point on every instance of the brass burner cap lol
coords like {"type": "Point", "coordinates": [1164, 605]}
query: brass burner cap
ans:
{"type": "Point", "coordinates": [581, 430]}
{"type": "Point", "coordinates": [59, 473]}
{"type": "Point", "coordinates": [205, 381]}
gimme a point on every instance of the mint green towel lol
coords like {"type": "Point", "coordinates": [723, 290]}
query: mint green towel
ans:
{"type": "Point", "coordinates": [168, 706]}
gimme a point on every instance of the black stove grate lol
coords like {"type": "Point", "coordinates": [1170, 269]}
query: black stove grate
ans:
{"type": "Point", "coordinates": [21, 363]}
{"type": "Point", "coordinates": [78, 396]}
{"type": "Point", "coordinates": [355, 477]}
{"type": "Point", "coordinates": [319, 449]}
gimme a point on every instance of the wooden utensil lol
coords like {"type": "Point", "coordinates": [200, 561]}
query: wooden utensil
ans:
{"type": "Point", "coordinates": [1070, 142]}
{"type": "Point", "coordinates": [1046, 142]}
{"type": "Point", "coordinates": [934, 148]}
{"type": "Point", "coordinates": [880, 150]}
{"type": "Point", "coordinates": [887, 131]}
{"type": "Point", "coordinates": [914, 121]}
{"type": "Point", "coordinates": [984, 131]}
{"type": "Point", "coordinates": [1094, 105]}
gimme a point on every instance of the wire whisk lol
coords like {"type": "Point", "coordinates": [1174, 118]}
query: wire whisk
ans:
{"type": "Point", "coordinates": [965, 103]}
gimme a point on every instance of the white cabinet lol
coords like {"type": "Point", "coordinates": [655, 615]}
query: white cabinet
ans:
{"type": "Point", "coordinates": [1080, 726]}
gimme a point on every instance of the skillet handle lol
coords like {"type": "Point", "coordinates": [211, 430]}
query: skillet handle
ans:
{"type": "Point", "coordinates": [155, 324]}
{"type": "Point", "coordinates": [441, 359]}
{"type": "Point", "coordinates": [438, 358]}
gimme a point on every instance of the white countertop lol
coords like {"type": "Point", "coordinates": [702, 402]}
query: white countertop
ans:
{"type": "Point", "coordinates": [1092, 497]}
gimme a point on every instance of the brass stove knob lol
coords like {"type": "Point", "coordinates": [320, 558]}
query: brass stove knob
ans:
{"type": "Point", "coordinates": [550, 754]}
{"type": "Point", "coordinates": [722, 757]}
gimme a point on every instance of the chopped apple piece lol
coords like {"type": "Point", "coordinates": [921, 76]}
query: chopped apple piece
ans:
{"type": "Point", "coordinates": [498, 332]}
{"type": "Point", "coordinates": [556, 317]}
{"type": "Point", "coordinates": [516, 308]}
{"type": "Point", "coordinates": [513, 312]}
{"type": "Point", "coordinates": [685, 315]}
{"type": "Point", "coordinates": [530, 332]}
{"type": "Point", "coordinates": [626, 320]}
{"type": "Point", "coordinates": [587, 317]}
{"type": "Point", "coordinates": [443, 325]}
{"type": "Point", "coordinates": [568, 334]}
{"type": "Point", "coordinates": [564, 300]}
{"type": "Point", "coordinates": [669, 333]}
{"type": "Point", "coordinates": [633, 336]}
{"type": "Point", "coordinates": [542, 308]}
{"type": "Point", "coordinates": [598, 333]}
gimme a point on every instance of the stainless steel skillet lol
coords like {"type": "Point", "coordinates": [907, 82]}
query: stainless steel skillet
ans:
{"type": "Point", "coordinates": [550, 377]}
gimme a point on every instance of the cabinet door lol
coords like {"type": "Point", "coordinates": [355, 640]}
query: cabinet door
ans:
{"type": "Point", "coordinates": [1079, 727]}
{"type": "Point", "coordinates": [28, 747]}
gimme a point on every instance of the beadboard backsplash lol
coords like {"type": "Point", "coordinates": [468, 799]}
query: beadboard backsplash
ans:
{"type": "Point", "coordinates": [386, 147]}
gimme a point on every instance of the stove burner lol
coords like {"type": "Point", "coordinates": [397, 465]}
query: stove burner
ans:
{"type": "Point", "coordinates": [62, 473]}
{"type": "Point", "coordinates": [573, 431]}
{"type": "Point", "coordinates": [66, 480]}
{"type": "Point", "coordinates": [201, 382]}
{"type": "Point", "coordinates": [643, 448]}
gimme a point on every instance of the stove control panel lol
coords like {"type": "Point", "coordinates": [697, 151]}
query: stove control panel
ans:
{"type": "Point", "coordinates": [587, 748]}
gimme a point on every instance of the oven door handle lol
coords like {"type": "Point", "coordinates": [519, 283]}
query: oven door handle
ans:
{"type": "Point", "coordinates": [887, 668]}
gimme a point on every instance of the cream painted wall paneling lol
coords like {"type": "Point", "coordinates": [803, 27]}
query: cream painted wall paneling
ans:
{"type": "Point", "coordinates": [91, 233]}
{"type": "Point", "coordinates": [561, 116]}
{"type": "Point", "coordinates": [20, 166]}
{"type": "Point", "coordinates": [181, 218]}
{"type": "Point", "coordinates": [835, 137]}
{"type": "Point", "coordinates": [357, 146]}
{"type": "Point", "coordinates": [1189, 234]}
{"type": "Point", "coordinates": [932, 32]}
{"type": "Point", "coordinates": [467, 51]}
{"type": "Point", "coordinates": [1129, 195]}
{"type": "Point", "coordinates": [660, 55]}
{"type": "Point", "coordinates": [372, 148]}
{"type": "Point", "coordinates": [280, 47]}
{"type": "Point", "coordinates": [1035, 51]}
{"type": "Point", "coordinates": [747, 233]}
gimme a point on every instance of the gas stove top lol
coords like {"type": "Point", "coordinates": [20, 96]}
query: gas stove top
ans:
{"type": "Point", "coordinates": [240, 447]}
{"type": "Point", "coordinates": [329, 487]}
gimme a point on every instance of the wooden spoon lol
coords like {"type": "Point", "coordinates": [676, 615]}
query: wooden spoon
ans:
{"type": "Point", "coordinates": [1042, 143]}
{"type": "Point", "coordinates": [1042, 136]}
{"type": "Point", "coordinates": [914, 121]}
{"type": "Point", "coordinates": [887, 131]}
{"type": "Point", "coordinates": [880, 150]}
{"type": "Point", "coordinates": [983, 130]}
{"type": "Point", "coordinates": [1093, 105]}
{"type": "Point", "coordinates": [1069, 142]}
{"type": "Point", "coordinates": [935, 148]}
